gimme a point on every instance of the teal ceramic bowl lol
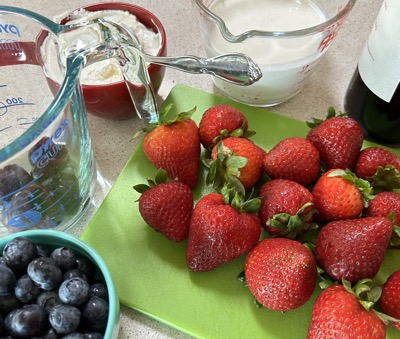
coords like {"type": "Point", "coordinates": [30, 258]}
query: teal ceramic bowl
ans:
{"type": "Point", "coordinates": [56, 239]}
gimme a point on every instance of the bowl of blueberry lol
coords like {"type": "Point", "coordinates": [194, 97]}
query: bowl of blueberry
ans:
{"type": "Point", "coordinates": [53, 285]}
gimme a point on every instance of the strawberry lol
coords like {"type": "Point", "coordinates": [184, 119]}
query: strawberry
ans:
{"type": "Point", "coordinates": [235, 158]}
{"type": "Point", "coordinates": [222, 228]}
{"type": "Point", "coordinates": [286, 208]}
{"type": "Point", "coordinates": [166, 206]}
{"type": "Point", "coordinates": [337, 313]}
{"type": "Point", "coordinates": [371, 158]}
{"type": "Point", "coordinates": [380, 167]}
{"type": "Point", "coordinates": [353, 249]}
{"type": "Point", "coordinates": [338, 140]}
{"type": "Point", "coordinates": [221, 121]}
{"type": "Point", "coordinates": [280, 273]}
{"type": "Point", "coordinates": [383, 204]}
{"type": "Point", "coordinates": [339, 194]}
{"type": "Point", "coordinates": [294, 159]}
{"type": "Point", "coordinates": [387, 204]}
{"type": "Point", "coordinates": [390, 297]}
{"type": "Point", "coordinates": [174, 145]}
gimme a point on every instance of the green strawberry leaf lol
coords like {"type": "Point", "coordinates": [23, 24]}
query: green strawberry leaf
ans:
{"type": "Point", "coordinates": [242, 278]}
{"type": "Point", "coordinates": [293, 225]}
{"type": "Point", "coordinates": [224, 170]}
{"type": "Point", "coordinates": [141, 188]}
{"type": "Point", "coordinates": [235, 198]}
{"type": "Point", "coordinates": [330, 113]}
{"type": "Point", "coordinates": [385, 179]}
{"type": "Point", "coordinates": [166, 117]}
{"type": "Point", "coordinates": [252, 205]}
{"type": "Point", "coordinates": [161, 176]}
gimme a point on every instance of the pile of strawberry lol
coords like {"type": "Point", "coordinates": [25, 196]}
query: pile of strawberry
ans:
{"type": "Point", "coordinates": [264, 203]}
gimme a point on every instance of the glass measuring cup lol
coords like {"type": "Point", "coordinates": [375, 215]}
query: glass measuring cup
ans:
{"type": "Point", "coordinates": [47, 167]}
{"type": "Point", "coordinates": [286, 38]}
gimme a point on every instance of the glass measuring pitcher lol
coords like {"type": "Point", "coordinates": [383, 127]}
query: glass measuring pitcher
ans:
{"type": "Point", "coordinates": [286, 38]}
{"type": "Point", "coordinates": [47, 167]}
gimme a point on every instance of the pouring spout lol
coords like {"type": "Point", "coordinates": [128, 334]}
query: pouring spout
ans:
{"type": "Point", "coordinates": [139, 85]}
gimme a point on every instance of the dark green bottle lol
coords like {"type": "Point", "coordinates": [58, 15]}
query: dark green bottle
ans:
{"type": "Point", "coordinates": [379, 119]}
{"type": "Point", "coordinates": [373, 95]}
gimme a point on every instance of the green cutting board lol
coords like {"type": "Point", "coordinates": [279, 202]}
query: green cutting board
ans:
{"type": "Point", "coordinates": [150, 271]}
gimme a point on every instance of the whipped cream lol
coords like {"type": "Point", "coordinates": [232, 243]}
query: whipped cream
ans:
{"type": "Point", "coordinates": [104, 71]}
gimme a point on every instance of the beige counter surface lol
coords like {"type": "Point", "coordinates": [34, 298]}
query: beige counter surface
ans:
{"type": "Point", "coordinates": [112, 139]}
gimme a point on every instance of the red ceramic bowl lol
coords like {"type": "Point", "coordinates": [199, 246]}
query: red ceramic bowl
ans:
{"type": "Point", "coordinates": [112, 101]}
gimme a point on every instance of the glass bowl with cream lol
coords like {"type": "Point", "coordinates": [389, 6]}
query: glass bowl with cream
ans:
{"type": "Point", "coordinates": [104, 90]}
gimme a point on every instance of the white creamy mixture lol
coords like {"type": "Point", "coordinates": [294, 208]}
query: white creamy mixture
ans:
{"type": "Point", "coordinates": [281, 60]}
{"type": "Point", "coordinates": [105, 71]}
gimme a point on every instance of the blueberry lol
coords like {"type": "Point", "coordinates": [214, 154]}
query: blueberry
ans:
{"type": "Point", "coordinates": [3, 260]}
{"type": "Point", "coordinates": [64, 258]}
{"type": "Point", "coordinates": [7, 280]}
{"type": "Point", "coordinates": [1, 324]}
{"type": "Point", "coordinates": [95, 313]}
{"type": "Point", "coordinates": [26, 322]}
{"type": "Point", "coordinates": [85, 265]}
{"type": "Point", "coordinates": [75, 273]}
{"type": "Point", "coordinates": [45, 273]}
{"type": "Point", "coordinates": [98, 290]}
{"type": "Point", "coordinates": [94, 335]}
{"type": "Point", "coordinates": [74, 291]}
{"type": "Point", "coordinates": [32, 206]}
{"type": "Point", "coordinates": [48, 299]}
{"type": "Point", "coordinates": [65, 318]}
{"type": "Point", "coordinates": [9, 303]}
{"type": "Point", "coordinates": [49, 334]}
{"type": "Point", "coordinates": [12, 178]}
{"type": "Point", "coordinates": [43, 250]}
{"type": "Point", "coordinates": [19, 252]}
{"type": "Point", "coordinates": [75, 335]}
{"type": "Point", "coordinates": [26, 290]}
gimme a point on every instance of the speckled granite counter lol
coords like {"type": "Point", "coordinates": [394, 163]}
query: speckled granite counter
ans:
{"type": "Point", "coordinates": [112, 139]}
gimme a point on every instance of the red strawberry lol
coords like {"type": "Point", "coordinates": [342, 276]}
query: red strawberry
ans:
{"type": "Point", "coordinates": [339, 194]}
{"type": "Point", "coordinates": [383, 204]}
{"type": "Point", "coordinates": [371, 158]}
{"type": "Point", "coordinates": [174, 145]}
{"type": "Point", "coordinates": [390, 297]}
{"type": "Point", "coordinates": [387, 204]}
{"type": "Point", "coordinates": [166, 206]}
{"type": "Point", "coordinates": [221, 231]}
{"type": "Point", "coordinates": [337, 313]}
{"type": "Point", "coordinates": [280, 273]}
{"type": "Point", "coordinates": [219, 122]}
{"type": "Point", "coordinates": [294, 159]}
{"type": "Point", "coordinates": [353, 249]}
{"type": "Point", "coordinates": [338, 140]}
{"type": "Point", "coordinates": [380, 167]}
{"type": "Point", "coordinates": [236, 158]}
{"type": "Point", "coordinates": [286, 208]}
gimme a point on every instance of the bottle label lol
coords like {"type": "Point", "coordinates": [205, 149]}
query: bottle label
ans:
{"type": "Point", "coordinates": [379, 64]}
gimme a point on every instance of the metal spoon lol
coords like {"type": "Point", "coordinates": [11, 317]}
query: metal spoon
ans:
{"type": "Point", "coordinates": [236, 68]}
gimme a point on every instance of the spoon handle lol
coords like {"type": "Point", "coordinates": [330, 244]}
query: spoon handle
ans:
{"type": "Point", "coordinates": [235, 68]}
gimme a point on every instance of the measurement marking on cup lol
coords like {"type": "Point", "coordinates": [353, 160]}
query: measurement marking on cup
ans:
{"type": "Point", "coordinates": [11, 102]}
{"type": "Point", "coordinates": [5, 128]}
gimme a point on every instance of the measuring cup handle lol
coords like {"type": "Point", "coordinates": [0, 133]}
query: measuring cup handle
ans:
{"type": "Point", "coordinates": [17, 52]}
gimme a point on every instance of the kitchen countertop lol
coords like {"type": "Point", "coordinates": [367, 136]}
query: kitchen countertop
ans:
{"type": "Point", "coordinates": [112, 139]}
